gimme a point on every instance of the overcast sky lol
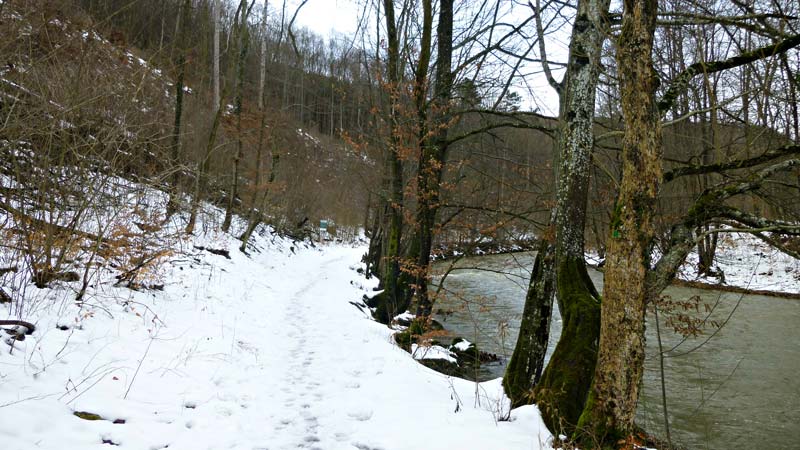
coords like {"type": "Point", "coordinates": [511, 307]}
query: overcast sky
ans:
{"type": "Point", "coordinates": [323, 16]}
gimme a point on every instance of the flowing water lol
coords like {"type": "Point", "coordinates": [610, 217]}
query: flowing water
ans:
{"type": "Point", "coordinates": [732, 387]}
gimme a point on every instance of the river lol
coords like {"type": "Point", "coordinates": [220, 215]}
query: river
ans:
{"type": "Point", "coordinates": [737, 386]}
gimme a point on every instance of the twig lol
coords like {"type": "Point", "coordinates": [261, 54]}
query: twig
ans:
{"type": "Point", "coordinates": [137, 368]}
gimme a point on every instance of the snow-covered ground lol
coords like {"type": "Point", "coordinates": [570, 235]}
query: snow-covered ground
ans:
{"type": "Point", "coordinates": [747, 262]}
{"type": "Point", "coordinates": [253, 352]}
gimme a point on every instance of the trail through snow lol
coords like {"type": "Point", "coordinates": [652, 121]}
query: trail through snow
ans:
{"type": "Point", "coordinates": [261, 352]}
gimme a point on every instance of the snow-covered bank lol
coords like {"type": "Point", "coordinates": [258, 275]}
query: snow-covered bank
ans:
{"type": "Point", "coordinates": [747, 263]}
{"type": "Point", "coordinates": [261, 352]}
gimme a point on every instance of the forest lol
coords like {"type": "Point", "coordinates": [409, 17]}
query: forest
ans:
{"type": "Point", "coordinates": [144, 141]}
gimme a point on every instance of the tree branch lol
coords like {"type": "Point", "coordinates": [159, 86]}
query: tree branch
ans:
{"type": "Point", "coordinates": [757, 223]}
{"type": "Point", "coordinates": [679, 83]}
{"type": "Point", "coordinates": [518, 124]}
{"type": "Point", "coordinates": [537, 10]}
{"type": "Point", "coordinates": [769, 155]}
{"type": "Point", "coordinates": [752, 182]}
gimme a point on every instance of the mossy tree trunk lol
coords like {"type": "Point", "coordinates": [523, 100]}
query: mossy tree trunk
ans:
{"type": "Point", "coordinates": [561, 393]}
{"type": "Point", "coordinates": [373, 257]}
{"type": "Point", "coordinates": [610, 409]}
{"type": "Point", "coordinates": [525, 367]}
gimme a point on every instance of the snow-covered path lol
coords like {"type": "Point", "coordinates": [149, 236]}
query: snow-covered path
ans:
{"type": "Point", "coordinates": [261, 352]}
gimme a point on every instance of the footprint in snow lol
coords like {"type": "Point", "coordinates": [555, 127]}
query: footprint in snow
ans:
{"type": "Point", "coordinates": [361, 446]}
{"type": "Point", "coordinates": [361, 416]}
{"type": "Point", "coordinates": [340, 436]}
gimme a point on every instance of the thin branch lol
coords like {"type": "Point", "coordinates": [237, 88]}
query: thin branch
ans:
{"type": "Point", "coordinates": [769, 155]}
{"type": "Point", "coordinates": [486, 128]}
{"type": "Point", "coordinates": [543, 54]}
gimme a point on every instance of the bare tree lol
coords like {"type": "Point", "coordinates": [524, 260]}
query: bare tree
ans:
{"type": "Point", "coordinates": [183, 18]}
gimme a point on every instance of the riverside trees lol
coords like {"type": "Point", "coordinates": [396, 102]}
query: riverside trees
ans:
{"type": "Point", "coordinates": [604, 414]}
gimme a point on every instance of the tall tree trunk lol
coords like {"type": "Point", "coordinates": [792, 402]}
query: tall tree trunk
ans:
{"type": "Point", "coordinates": [255, 215]}
{"type": "Point", "coordinates": [374, 257]}
{"type": "Point", "coordinates": [175, 145]}
{"type": "Point", "coordinates": [390, 302]}
{"type": "Point", "coordinates": [561, 393]}
{"type": "Point", "coordinates": [243, 47]}
{"type": "Point", "coordinates": [200, 182]}
{"type": "Point", "coordinates": [201, 177]}
{"type": "Point", "coordinates": [216, 6]}
{"type": "Point", "coordinates": [611, 407]}
{"type": "Point", "coordinates": [432, 158]}
{"type": "Point", "coordinates": [256, 219]}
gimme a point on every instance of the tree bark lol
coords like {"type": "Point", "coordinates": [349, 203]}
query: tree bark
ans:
{"type": "Point", "coordinates": [390, 301]}
{"type": "Point", "coordinates": [255, 215]}
{"type": "Point", "coordinates": [564, 386]}
{"type": "Point", "coordinates": [432, 157]}
{"type": "Point", "coordinates": [175, 145]}
{"type": "Point", "coordinates": [201, 176]}
{"type": "Point", "coordinates": [524, 369]}
{"type": "Point", "coordinates": [610, 409]}
{"type": "Point", "coordinates": [243, 47]}
{"type": "Point", "coordinates": [216, 6]}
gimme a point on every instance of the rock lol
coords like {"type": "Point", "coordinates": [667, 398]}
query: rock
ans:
{"type": "Point", "coordinates": [443, 366]}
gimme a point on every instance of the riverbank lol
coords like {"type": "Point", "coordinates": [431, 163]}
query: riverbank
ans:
{"type": "Point", "coordinates": [748, 265]}
{"type": "Point", "coordinates": [734, 289]}
{"type": "Point", "coordinates": [745, 265]}
{"type": "Point", "coordinates": [444, 252]}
